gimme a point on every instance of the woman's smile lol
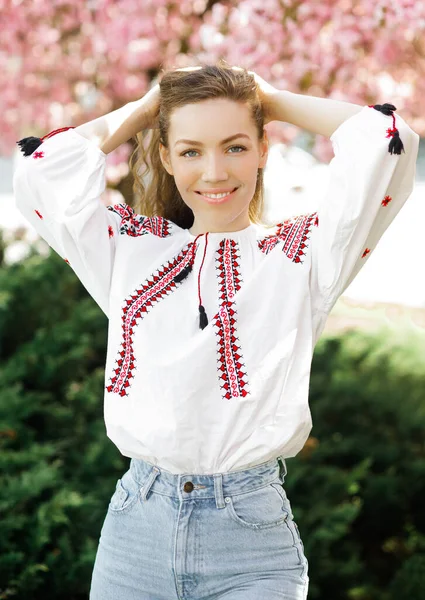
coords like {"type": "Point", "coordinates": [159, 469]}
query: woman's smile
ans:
{"type": "Point", "coordinates": [217, 198]}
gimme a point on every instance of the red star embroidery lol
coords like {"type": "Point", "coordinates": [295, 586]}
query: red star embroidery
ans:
{"type": "Point", "coordinates": [386, 200]}
{"type": "Point", "coordinates": [365, 253]}
{"type": "Point", "coordinates": [110, 231]}
{"type": "Point", "coordinates": [38, 154]}
{"type": "Point", "coordinates": [316, 221]}
{"type": "Point", "coordinates": [38, 214]}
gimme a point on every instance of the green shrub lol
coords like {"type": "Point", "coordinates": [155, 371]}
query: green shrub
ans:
{"type": "Point", "coordinates": [356, 488]}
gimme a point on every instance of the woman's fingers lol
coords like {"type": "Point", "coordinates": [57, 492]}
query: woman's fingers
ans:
{"type": "Point", "coordinates": [151, 100]}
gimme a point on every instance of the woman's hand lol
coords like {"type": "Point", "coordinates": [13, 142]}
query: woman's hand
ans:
{"type": "Point", "coordinates": [151, 101]}
{"type": "Point", "coordinates": [267, 94]}
{"type": "Point", "coordinates": [151, 105]}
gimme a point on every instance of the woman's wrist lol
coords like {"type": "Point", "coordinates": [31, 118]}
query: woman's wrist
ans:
{"type": "Point", "coordinates": [318, 115]}
{"type": "Point", "coordinates": [98, 130]}
{"type": "Point", "coordinates": [133, 118]}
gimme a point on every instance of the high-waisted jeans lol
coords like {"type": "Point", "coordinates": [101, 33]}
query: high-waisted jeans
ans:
{"type": "Point", "coordinates": [226, 536]}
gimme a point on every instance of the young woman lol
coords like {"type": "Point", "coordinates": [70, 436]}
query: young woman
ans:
{"type": "Point", "coordinates": [212, 321]}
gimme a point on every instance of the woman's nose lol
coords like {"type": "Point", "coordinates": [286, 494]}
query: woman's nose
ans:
{"type": "Point", "coordinates": [214, 170]}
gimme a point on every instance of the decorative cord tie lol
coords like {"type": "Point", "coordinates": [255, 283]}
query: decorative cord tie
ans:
{"type": "Point", "coordinates": [203, 319]}
{"type": "Point", "coordinates": [396, 145]}
{"type": "Point", "coordinates": [29, 144]}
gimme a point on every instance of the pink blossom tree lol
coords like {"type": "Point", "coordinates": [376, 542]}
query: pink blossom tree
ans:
{"type": "Point", "coordinates": [66, 62]}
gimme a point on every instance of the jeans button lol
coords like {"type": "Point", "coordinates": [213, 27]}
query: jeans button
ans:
{"type": "Point", "coordinates": [188, 486]}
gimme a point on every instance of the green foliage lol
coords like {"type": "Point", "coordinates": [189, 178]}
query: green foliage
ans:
{"type": "Point", "coordinates": [359, 483]}
{"type": "Point", "coordinates": [410, 580]}
{"type": "Point", "coordinates": [357, 487]}
{"type": "Point", "coordinates": [57, 466]}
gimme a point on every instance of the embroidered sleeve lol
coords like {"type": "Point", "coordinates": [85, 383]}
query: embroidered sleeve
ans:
{"type": "Point", "coordinates": [57, 184]}
{"type": "Point", "coordinates": [368, 184]}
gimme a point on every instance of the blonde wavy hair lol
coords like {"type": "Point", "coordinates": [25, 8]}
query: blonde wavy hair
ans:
{"type": "Point", "coordinates": [160, 196]}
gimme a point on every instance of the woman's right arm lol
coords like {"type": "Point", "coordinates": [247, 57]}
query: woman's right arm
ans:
{"type": "Point", "coordinates": [143, 116]}
{"type": "Point", "coordinates": [57, 189]}
{"type": "Point", "coordinates": [121, 125]}
{"type": "Point", "coordinates": [118, 126]}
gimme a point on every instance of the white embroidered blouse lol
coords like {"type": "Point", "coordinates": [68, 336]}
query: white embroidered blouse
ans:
{"type": "Point", "coordinates": [235, 393]}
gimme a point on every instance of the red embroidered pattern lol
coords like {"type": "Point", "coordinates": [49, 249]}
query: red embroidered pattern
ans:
{"type": "Point", "coordinates": [38, 214]}
{"type": "Point", "coordinates": [384, 203]}
{"type": "Point", "coordinates": [292, 234]}
{"type": "Point", "coordinates": [134, 225]}
{"type": "Point", "coordinates": [38, 154]}
{"type": "Point", "coordinates": [136, 306]}
{"type": "Point", "coordinates": [230, 361]}
{"type": "Point", "coordinates": [110, 231]}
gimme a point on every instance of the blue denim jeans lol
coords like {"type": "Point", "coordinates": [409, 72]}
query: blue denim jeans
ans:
{"type": "Point", "coordinates": [227, 536]}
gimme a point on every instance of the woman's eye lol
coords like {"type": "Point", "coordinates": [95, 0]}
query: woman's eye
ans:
{"type": "Point", "coordinates": [241, 147]}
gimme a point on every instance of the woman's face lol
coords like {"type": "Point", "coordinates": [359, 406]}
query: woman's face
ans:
{"type": "Point", "coordinates": [212, 165]}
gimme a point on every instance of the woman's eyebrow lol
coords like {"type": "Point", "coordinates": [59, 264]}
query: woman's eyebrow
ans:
{"type": "Point", "coordinates": [229, 139]}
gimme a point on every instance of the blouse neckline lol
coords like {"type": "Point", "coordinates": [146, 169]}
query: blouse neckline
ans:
{"type": "Point", "coordinates": [231, 235]}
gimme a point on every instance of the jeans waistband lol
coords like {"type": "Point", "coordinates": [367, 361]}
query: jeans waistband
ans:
{"type": "Point", "coordinates": [197, 486]}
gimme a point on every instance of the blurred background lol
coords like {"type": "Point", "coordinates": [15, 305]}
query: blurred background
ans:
{"type": "Point", "coordinates": [357, 487]}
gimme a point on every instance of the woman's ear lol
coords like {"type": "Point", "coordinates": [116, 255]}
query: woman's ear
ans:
{"type": "Point", "coordinates": [165, 158]}
{"type": "Point", "coordinates": [264, 150]}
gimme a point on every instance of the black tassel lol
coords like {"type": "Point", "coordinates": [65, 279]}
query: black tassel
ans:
{"type": "Point", "coordinates": [396, 145]}
{"type": "Point", "coordinates": [203, 319]}
{"type": "Point", "coordinates": [29, 144]}
{"type": "Point", "coordinates": [386, 109]}
{"type": "Point", "coordinates": [183, 273]}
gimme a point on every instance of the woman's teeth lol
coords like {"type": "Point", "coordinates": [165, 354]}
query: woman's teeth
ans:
{"type": "Point", "coordinates": [217, 195]}
{"type": "Point", "coordinates": [222, 195]}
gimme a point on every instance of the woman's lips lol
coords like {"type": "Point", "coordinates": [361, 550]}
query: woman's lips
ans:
{"type": "Point", "coordinates": [217, 200]}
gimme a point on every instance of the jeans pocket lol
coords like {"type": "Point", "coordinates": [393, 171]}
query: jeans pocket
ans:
{"type": "Point", "coordinates": [125, 495]}
{"type": "Point", "coordinates": [259, 509]}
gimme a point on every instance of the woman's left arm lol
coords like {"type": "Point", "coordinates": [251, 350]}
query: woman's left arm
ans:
{"type": "Point", "coordinates": [371, 177]}
{"type": "Point", "coordinates": [322, 116]}
{"type": "Point", "coordinates": [317, 115]}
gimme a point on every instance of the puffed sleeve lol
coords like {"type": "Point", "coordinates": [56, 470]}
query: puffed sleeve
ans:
{"type": "Point", "coordinates": [57, 189]}
{"type": "Point", "coordinates": [367, 187]}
